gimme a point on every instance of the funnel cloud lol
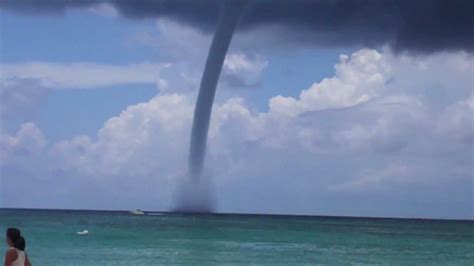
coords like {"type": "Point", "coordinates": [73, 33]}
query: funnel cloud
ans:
{"type": "Point", "coordinates": [199, 199]}
{"type": "Point", "coordinates": [220, 43]}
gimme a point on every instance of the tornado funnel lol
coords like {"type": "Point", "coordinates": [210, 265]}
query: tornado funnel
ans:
{"type": "Point", "coordinates": [197, 194]}
{"type": "Point", "coordinates": [228, 19]}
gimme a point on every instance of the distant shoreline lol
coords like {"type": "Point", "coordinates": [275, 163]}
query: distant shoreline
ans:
{"type": "Point", "coordinates": [234, 214]}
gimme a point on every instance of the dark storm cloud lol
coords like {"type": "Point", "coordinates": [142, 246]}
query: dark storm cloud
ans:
{"type": "Point", "coordinates": [421, 25]}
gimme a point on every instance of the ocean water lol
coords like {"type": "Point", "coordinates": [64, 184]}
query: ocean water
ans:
{"type": "Point", "coordinates": [118, 238]}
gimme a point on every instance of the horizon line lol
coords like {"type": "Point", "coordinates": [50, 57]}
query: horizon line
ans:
{"type": "Point", "coordinates": [242, 214]}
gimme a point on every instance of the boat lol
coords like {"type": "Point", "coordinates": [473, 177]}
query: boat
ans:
{"type": "Point", "coordinates": [137, 212]}
{"type": "Point", "coordinates": [83, 232]}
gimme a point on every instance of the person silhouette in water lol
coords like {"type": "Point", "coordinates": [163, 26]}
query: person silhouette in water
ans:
{"type": "Point", "coordinates": [16, 255]}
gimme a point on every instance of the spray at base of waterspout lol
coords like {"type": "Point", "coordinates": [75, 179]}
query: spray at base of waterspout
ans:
{"type": "Point", "coordinates": [195, 195]}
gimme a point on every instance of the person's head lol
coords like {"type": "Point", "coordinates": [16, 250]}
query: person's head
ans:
{"type": "Point", "coordinates": [14, 239]}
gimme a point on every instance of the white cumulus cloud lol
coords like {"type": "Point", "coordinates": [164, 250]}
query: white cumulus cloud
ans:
{"type": "Point", "coordinates": [82, 75]}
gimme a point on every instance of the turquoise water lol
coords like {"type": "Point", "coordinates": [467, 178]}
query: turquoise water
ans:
{"type": "Point", "coordinates": [121, 239]}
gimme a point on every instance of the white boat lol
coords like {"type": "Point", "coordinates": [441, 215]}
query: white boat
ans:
{"type": "Point", "coordinates": [137, 212]}
{"type": "Point", "coordinates": [83, 232]}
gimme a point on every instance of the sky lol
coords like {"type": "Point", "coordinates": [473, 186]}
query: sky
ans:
{"type": "Point", "coordinates": [96, 111]}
